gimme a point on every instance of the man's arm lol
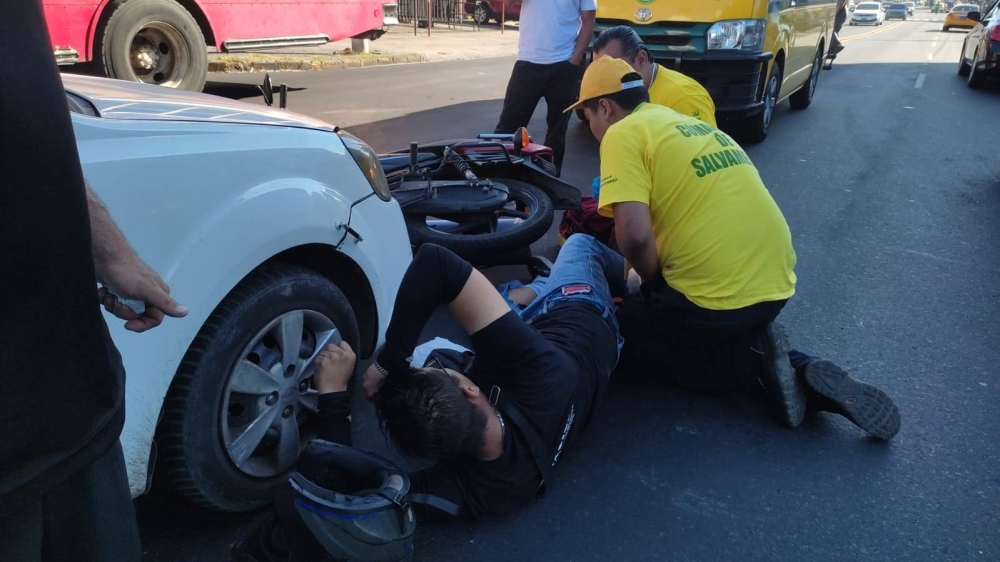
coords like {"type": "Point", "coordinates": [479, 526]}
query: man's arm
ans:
{"type": "Point", "coordinates": [334, 368]}
{"type": "Point", "coordinates": [435, 277]}
{"type": "Point", "coordinates": [634, 234]}
{"type": "Point", "coordinates": [122, 270]}
{"type": "Point", "coordinates": [587, 21]}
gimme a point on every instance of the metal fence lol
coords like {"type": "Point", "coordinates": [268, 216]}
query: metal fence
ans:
{"type": "Point", "coordinates": [449, 12]}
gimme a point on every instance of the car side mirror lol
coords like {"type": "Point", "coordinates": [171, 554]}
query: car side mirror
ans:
{"type": "Point", "coordinates": [975, 16]}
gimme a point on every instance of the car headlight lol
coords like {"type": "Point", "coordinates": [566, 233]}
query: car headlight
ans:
{"type": "Point", "coordinates": [744, 35]}
{"type": "Point", "coordinates": [369, 163]}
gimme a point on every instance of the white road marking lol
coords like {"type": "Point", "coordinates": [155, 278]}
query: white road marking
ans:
{"type": "Point", "coordinates": [933, 45]}
{"type": "Point", "coordinates": [920, 81]}
{"type": "Point", "coordinates": [930, 56]}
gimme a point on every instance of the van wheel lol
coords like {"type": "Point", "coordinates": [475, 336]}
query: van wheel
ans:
{"type": "Point", "coordinates": [804, 97]}
{"type": "Point", "coordinates": [754, 129]}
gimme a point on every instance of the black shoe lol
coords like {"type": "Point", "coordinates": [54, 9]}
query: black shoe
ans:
{"type": "Point", "coordinates": [779, 379]}
{"type": "Point", "coordinates": [868, 407]}
{"type": "Point", "coordinates": [539, 266]}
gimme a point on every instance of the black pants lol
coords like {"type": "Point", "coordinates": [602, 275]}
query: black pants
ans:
{"type": "Point", "coordinates": [88, 517]}
{"type": "Point", "coordinates": [558, 83]}
{"type": "Point", "coordinates": [667, 337]}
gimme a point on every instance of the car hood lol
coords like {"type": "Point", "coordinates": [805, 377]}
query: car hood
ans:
{"type": "Point", "coordinates": [867, 12]}
{"type": "Point", "coordinates": [118, 99]}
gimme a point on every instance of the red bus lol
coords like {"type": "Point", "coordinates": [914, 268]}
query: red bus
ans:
{"type": "Point", "coordinates": [165, 41]}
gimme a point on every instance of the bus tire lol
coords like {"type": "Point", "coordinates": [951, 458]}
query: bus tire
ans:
{"type": "Point", "coordinates": [155, 42]}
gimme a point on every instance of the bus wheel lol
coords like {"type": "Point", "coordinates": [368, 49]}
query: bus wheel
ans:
{"type": "Point", "coordinates": [155, 42]}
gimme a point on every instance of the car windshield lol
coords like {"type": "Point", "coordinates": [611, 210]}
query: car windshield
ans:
{"type": "Point", "coordinates": [964, 8]}
{"type": "Point", "coordinates": [868, 6]}
{"type": "Point", "coordinates": [898, 7]}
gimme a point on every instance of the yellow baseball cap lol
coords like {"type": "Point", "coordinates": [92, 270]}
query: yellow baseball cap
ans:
{"type": "Point", "coordinates": [604, 77]}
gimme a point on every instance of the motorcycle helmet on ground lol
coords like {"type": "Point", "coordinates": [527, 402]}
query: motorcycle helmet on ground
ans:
{"type": "Point", "coordinates": [347, 505]}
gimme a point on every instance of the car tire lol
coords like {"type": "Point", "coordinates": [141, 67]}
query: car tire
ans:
{"type": "Point", "coordinates": [946, 28]}
{"type": "Point", "coordinates": [963, 66]}
{"type": "Point", "coordinates": [754, 129]}
{"type": "Point", "coordinates": [165, 36]}
{"type": "Point", "coordinates": [201, 404]}
{"type": "Point", "coordinates": [804, 96]}
{"type": "Point", "coordinates": [482, 13]}
{"type": "Point", "coordinates": [478, 248]}
{"type": "Point", "coordinates": [975, 78]}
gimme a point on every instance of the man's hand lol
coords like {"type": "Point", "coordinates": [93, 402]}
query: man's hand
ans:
{"type": "Point", "coordinates": [120, 268]}
{"type": "Point", "coordinates": [373, 379]}
{"type": "Point", "coordinates": [133, 279]}
{"type": "Point", "coordinates": [334, 368]}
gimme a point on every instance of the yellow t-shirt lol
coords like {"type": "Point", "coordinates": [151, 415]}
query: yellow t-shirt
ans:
{"type": "Point", "coordinates": [683, 94]}
{"type": "Point", "coordinates": [720, 237]}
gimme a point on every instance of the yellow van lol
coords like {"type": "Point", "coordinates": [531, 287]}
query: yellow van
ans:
{"type": "Point", "coordinates": [749, 54]}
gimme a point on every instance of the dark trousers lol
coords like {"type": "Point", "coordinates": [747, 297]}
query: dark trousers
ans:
{"type": "Point", "coordinates": [89, 516]}
{"type": "Point", "coordinates": [667, 337]}
{"type": "Point", "coordinates": [558, 83]}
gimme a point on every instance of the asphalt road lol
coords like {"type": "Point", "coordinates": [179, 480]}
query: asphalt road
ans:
{"type": "Point", "coordinates": [891, 185]}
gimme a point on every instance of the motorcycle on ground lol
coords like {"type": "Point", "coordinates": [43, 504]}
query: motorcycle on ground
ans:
{"type": "Point", "coordinates": [486, 199]}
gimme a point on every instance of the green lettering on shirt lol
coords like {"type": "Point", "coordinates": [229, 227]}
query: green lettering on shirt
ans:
{"type": "Point", "coordinates": [683, 130]}
{"type": "Point", "coordinates": [699, 170]}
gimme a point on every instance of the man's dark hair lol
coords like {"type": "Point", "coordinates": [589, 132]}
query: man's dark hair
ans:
{"type": "Point", "coordinates": [626, 36]}
{"type": "Point", "coordinates": [425, 413]}
{"type": "Point", "coordinates": [627, 99]}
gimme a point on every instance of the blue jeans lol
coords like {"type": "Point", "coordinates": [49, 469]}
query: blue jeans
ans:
{"type": "Point", "coordinates": [585, 271]}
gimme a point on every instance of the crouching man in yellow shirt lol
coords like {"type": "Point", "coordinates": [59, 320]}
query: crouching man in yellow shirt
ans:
{"type": "Point", "coordinates": [715, 256]}
{"type": "Point", "coordinates": [666, 87]}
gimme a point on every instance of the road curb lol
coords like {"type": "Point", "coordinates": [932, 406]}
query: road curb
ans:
{"type": "Point", "coordinates": [239, 64]}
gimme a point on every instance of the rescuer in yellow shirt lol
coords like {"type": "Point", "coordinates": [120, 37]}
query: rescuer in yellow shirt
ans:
{"type": "Point", "coordinates": [666, 87]}
{"type": "Point", "coordinates": [715, 256]}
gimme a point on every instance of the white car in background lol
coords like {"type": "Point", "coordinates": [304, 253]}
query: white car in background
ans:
{"type": "Point", "coordinates": [868, 13]}
{"type": "Point", "coordinates": [278, 232]}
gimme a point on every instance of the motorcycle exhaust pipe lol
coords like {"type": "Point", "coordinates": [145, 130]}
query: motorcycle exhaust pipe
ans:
{"type": "Point", "coordinates": [446, 225]}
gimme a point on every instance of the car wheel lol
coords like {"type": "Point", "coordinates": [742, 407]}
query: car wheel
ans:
{"type": "Point", "coordinates": [482, 13]}
{"type": "Point", "coordinates": [963, 66]}
{"type": "Point", "coordinates": [156, 42]}
{"type": "Point", "coordinates": [241, 405]}
{"type": "Point", "coordinates": [975, 77]}
{"type": "Point", "coordinates": [803, 98]}
{"type": "Point", "coordinates": [946, 28]}
{"type": "Point", "coordinates": [754, 129]}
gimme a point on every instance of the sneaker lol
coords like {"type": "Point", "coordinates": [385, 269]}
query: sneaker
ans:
{"type": "Point", "coordinates": [539, 266]}
{"type": "Point", "coordinates": [779, 379]}
{"type": "Point", "coordinates": [868, 407]}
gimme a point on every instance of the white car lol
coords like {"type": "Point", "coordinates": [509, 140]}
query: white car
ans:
{"type": "Point", "coordinates": [868, 13]}
{"type": "Point", "coordinates": [278, 232]}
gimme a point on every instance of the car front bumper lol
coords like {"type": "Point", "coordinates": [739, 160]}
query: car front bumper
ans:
{"type": "Point", "coordinates": [734, 80]}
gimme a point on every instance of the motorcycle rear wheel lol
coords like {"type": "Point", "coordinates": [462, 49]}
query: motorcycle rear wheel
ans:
{"type": "Point", "coordinates": [477, 237]}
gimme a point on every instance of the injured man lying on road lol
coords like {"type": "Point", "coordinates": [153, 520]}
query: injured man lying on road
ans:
{"type": "Point", "coordinates": [543, 355]}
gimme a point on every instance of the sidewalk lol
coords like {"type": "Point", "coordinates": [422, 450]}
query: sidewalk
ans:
{"type": "Point", "coordinates": [399, 45]}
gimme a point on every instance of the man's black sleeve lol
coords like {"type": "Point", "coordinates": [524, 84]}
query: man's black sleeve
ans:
{"type": "Point", "coordinates": [435, 277]}
{"type": "Point", "coordinates": [333, 418]}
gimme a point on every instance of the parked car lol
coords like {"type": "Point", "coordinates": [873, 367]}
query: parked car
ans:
{"type": "Point", "coordinates": [867, 13]}
{"type": "Point", "coordinates": [482, 11]}
{"type": "Point", "coordinates": [896, 11]}
{"type": "Point", "coordinates": [959, 17]}
{"type": "Point", "coordinates": [980, 56]}
{"type": "Point", "coordinates": [279, 234]}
